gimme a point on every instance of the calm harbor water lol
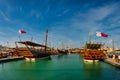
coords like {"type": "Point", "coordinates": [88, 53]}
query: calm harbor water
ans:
{"type": "Point", "coordinates": [62, 67]}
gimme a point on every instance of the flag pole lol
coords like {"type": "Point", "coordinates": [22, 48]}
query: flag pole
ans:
{"type": "Point", "coordinates": [101, 40]}
{"type": "Point", "coordinates": [113, 46]}
{"type": "Point", "coordinates": [21, 32]}
{"type": "Point", "coordinates": [106, 42]}
{"type": "Point", "coordinates": [19, 38]}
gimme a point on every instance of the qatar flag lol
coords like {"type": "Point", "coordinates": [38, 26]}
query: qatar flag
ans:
{"type": "Point", "coordinates": [22, 32]}
{"type": "Point", "coordinates": [101, 34]}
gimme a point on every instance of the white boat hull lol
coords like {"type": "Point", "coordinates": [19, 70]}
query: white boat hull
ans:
{"type": "Point", "coordinates": [90, 61]}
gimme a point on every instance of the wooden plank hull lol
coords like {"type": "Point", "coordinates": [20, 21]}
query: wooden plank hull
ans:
{"type": "Point", "coordinates": [32, 53]}
{"type": "Point", "coordinates": [93, 55]}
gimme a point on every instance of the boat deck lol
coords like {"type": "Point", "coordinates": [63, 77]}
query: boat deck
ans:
{"type": "Point", "coordinates": [10, 59]}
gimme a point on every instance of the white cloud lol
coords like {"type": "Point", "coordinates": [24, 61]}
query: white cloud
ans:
{"type": "Point", "coordinates": [5, 17]}
{"type": "Point", "coordinates": [2, 33]}
{"type": "Point", "coordinates": [75, 28]}
{"type": "Point", "coordinates": [90, 19]}
{"type": "Point", "coordinates": [48, 9]}
{"type": "Point", "coordinates": [21, 9]}
{"type": "Point", "coordinates": [35, 14]}
{"type": "Point", "coordinates": [81, 24]}
{"type": "Point", "coordinates": [64, 12]}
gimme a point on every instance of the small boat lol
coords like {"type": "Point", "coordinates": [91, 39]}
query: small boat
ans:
{"type": "Point", "coordinates": [32, 50]}
{"type": "Point", "coordinates": [62, 51]}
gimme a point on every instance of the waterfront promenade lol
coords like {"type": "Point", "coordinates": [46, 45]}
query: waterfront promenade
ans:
{"type": "Point", "coordinates": [112, 62]}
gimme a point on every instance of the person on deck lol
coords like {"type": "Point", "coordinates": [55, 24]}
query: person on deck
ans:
{"type": "Point", "coordinates": [119, 58]}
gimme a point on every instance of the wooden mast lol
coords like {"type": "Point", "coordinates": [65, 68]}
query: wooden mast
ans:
{"type": "Point", "coordinates": [46, 40]}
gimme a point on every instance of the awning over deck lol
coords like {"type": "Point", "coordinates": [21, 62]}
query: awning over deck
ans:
{"type": "Point", "coordinates": [29, 43]}
{"type": "Point", "coordinates": [93, 46]}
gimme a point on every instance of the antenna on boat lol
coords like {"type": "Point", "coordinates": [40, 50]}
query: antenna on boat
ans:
{"type": "Point", "coordinates": [90, 37]}
{"type": "Point", "coordinates": [31, 39]}
{"type": "Point", "coordinates": [46, 40]}
{"type": "Point", "coordinates": [8, 44]}
{"type": "Point", "coordinates": [62, 45]}
{"type": "Point", "coordinates": [113, 45]}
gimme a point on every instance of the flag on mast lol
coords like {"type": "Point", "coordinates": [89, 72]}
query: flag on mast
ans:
{"type": "Point", "coordinates": [22, 31]}
{"type": "Point", "coordinates": [101, 34]}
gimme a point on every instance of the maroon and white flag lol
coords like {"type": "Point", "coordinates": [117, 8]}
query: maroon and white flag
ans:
{"type": "Point", "coordinates": [22, 32]}
{"type": "Point", "coordinates": [101, 34]}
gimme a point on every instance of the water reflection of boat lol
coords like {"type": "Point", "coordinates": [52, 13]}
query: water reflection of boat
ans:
{"type": "Point", "coordinates": [90, 66]}
{"type": "Point", "coordinates": [93, 70]}
{"type": "Point", "coordinates": [32, 50]}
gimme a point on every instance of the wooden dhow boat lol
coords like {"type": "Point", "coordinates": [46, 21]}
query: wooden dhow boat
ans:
{"type": "Point", "coordinates": [31, 50]}
{"type": "Point", "coordinates": [92, 52]}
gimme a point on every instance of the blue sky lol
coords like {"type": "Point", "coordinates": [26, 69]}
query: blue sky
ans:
{"type": "Point", "coordinates": [68, 21]}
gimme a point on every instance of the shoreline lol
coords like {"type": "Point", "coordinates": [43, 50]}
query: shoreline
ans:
{"type": "Point", "coordinates": [112, 62]}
